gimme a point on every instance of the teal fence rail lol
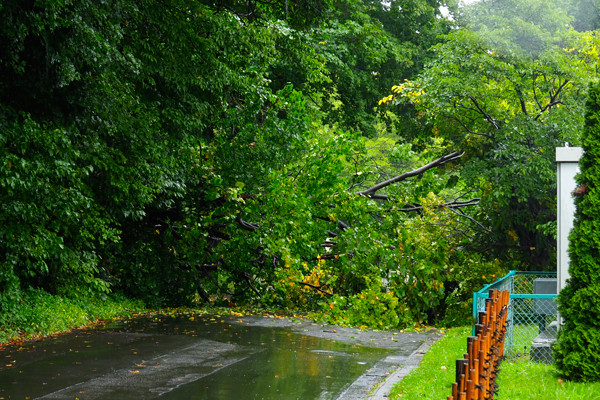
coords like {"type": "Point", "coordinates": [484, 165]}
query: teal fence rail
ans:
{"type": "Point", "coordinates": [532, 313]}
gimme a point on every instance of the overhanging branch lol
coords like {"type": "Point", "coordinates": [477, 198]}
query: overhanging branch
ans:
{"type": "Point", "coordinates": [317, 288]}
{"type": "Point", "coordinates": [249, 226]}
{"type": "Point", "coordinates": [453, 205]}
{"type": "Point", "coordinates": [487, 116]}
{"type": "Point", "coordinates": [435, 163]}
{"type": "Point", "coordinates": [460, 213]}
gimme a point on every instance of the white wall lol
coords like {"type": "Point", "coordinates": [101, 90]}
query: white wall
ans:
{"type": "Point", "coordinates": [567, 160]}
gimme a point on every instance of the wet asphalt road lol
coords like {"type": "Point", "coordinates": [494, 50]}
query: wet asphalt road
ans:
{"type": "Point", "coordinates": [216, 358]}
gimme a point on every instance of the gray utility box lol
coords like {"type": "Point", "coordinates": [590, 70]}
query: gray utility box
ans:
{"type": "Point", "coordinates": [544, 306]}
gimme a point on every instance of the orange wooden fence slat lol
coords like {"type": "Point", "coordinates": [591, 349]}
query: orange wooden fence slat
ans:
{"type": "Point", "coordinates": [476, 372]}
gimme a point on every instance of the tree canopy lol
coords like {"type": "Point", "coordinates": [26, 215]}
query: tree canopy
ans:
{"type": "Point", "coordinates": [238, 151]}
{"type": "Point", "coordinates": [507, 88]}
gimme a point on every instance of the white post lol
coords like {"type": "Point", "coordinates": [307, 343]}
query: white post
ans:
{"type": "Point", "coordinates": [567, 159]}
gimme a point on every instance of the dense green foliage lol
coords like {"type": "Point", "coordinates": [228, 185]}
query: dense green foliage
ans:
{"type": "Point", "coordinates": [577, 351]}
{"type": "Point", "coordinates": [234, 151]}
{"type": "Point", "coordinates": [139, 139]}
{"type": "Point", "coordinates": [506, 88]}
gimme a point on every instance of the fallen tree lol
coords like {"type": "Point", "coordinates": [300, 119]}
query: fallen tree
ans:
{"type": "Point", "coordinates": [307, 238]}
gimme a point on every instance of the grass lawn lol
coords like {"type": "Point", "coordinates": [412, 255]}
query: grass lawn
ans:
{"type": "Point", "coordinates": [40, 314]}
{"type": "Point", "coordinates": [433, 379]}
{"type": "Point", "coordinates": [524, 380]}
{"type": "Point", "coordinates": [518, 380]}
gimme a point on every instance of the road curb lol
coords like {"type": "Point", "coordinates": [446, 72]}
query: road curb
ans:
{"type": "Point", "coordinates": [403, 369]}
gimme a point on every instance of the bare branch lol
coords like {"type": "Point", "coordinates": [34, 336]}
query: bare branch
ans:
{"type": "Point", "coordinates": [342, 225]}
{"type": "Point", "coordinates": [435, 163]}
{"type": "Point", "coordinates": [246, 276]}
{"type": "Point", "coordinates": [548, 106]}
{"type": "Point", "coordinates": [553, 101]}
{"type": "Point", "coordinates": [328, 244]}
{"type": "Point", "coordinates": [522, 102]}
{"type": "Point", "coordinates": [465, 127]}
{"type": "Point", "coordinates": [460, 104]}
{"type": "Point", "coordinates": [462, 214]}
{"type": "Point", "coordinates": [487, 116]}
{"type": "Point", "coordinates": [453, 205]}
{"type": "Point", "coordinates": [358, 183]}
{"type": "Point", "coordinates": [318, 288]}
{"type": "Point", "coordinates": [249, 226]}
{"type": "Point", "coordinates": [533, 83]}
{"type": "Point", "coordinates": [376, 196]}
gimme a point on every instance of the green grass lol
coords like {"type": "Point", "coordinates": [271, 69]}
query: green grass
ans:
{"type": "Point", "coordinates": [433, 379]}
{"type": "Point", "coordinates": [41, 314]}
{"type": "Point", "coordinates": [38, 313]}
{"type": "Point", "coordinates": [524, 380]}
{"type": "Point", "coordinates": [517, 380]}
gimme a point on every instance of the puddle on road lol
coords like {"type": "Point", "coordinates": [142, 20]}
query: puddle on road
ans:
{"type": "Point", "coordinates": [175, 358]}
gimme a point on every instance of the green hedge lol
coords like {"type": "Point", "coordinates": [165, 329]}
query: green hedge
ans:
{"type": "Point", "coordinates": [577, 351]}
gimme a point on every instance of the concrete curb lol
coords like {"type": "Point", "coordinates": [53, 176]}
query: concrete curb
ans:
{"type": "Point", "coordinates": [404, 366]}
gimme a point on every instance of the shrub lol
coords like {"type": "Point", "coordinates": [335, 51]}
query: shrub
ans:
{"type": "Point", "coordinates": [577, 351]}
{"type": "Point", "coordinates": [373, 308]}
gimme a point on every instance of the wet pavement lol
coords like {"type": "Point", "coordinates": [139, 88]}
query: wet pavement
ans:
{"type": "Point", "coordinates": [216, 358]}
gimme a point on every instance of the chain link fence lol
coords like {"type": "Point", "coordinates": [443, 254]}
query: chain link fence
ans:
{"type": "Point", "coordinates": [532, 313]}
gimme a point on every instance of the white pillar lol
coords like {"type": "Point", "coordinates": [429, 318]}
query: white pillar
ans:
{"type": "Point", "coordinates": [567, 159]}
